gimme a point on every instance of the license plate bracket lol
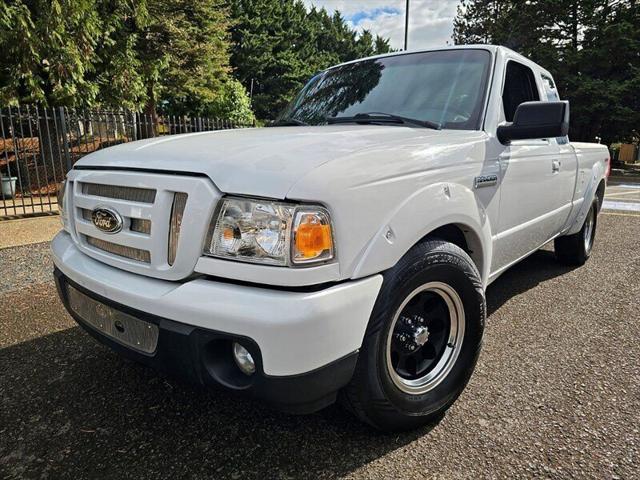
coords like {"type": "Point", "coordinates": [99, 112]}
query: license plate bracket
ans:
{"type": "Point", "coordinates": [126, 329]}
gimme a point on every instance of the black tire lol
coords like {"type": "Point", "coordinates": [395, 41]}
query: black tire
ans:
{"type": "Point", "coordinates": [576, 249]}
{"type": "Point", "coordinates": [372, 394]}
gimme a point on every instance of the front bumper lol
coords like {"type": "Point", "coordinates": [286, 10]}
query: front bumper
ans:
{"type": "Point", "coordinates": [305, 343]}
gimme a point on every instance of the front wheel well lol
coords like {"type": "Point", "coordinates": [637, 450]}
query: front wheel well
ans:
{"type": "Point", "coordinates": [461, 236]}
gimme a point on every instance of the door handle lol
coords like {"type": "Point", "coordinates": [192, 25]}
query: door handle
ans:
{"type": "Point", "coordinates": [555, 166]}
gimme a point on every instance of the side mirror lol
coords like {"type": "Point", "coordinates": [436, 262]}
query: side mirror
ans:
{"type": "Point", "coordinates": [536, 120]}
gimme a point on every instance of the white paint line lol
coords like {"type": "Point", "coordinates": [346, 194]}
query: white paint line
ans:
{"type": "Point", "coordinates": [624, 206]}
{"type": "Point", "coordinates": [621, 214]}
{"type": "Point", "coordinates": [624, 199]}
{"type": "Point", "coordinates": [617, 194]}
{"type": "Point", "coordinates": [635, 186]}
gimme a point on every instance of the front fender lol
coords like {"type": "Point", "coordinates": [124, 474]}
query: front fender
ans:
{"type": "Point", "coordinates": [423, 212]}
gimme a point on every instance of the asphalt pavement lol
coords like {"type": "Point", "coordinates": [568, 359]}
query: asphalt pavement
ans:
{"type": "Point", "coordinates": [622, 195]}
{"type": "Point", "coordinates": [556, 393]}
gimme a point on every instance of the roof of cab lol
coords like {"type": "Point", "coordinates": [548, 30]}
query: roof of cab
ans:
{"type": "Point", "coordinates": [493, 49]}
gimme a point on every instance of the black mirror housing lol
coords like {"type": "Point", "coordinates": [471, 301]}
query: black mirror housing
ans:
{"type": "Point", "coordinates": [534, 120]}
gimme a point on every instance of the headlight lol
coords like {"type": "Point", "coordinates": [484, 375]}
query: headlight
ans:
{"type": "Point", "coordinates": [273, 233]}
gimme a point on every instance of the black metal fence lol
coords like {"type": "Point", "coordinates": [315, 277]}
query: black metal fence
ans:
{"type": "Point", "coordinates": [38, 146]}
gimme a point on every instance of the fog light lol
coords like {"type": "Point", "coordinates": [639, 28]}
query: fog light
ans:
{"type": "Point", "coordinates": [243, 359]}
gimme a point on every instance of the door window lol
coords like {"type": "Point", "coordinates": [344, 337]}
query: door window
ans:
{"type": "Point", "coordinates": [519, 87]}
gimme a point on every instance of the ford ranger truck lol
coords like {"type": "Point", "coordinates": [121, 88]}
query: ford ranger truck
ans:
{"type": "Point", "coordinates": [343, 252]}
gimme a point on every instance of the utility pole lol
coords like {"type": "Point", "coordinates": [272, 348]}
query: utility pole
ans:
{"type": "Point", "coordinates": [406, 25]}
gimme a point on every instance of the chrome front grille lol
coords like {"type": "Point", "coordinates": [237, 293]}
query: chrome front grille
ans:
{"type": "Point", "coordinates": [120, 250]}
{"type": "Point", "coordinates": [131, 194]}
{"type": "Point", "coordinates": [164, 219]}
{"type": "Point", "coordinates": [140, 225]}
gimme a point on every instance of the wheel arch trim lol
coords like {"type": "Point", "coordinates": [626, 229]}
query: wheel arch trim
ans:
{"type": "Point", "coordinates": [582, 205]}
{"type": "Point", "coordinates": [447, 205]}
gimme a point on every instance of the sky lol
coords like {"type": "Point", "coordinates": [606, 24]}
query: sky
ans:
{"type": "Point", "coordinates": [430, 21]}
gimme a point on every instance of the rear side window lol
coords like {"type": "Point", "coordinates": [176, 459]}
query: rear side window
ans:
{"type": "Point", "coordinates": [550, 89]}
{"type": "Point", "coordinates": [551, 92]}
{"type": "Point", "coordinates": [519, 87]}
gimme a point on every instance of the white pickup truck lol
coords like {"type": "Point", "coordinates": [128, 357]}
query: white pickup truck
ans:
{"type": "Point", "coordinates": [345, 252]}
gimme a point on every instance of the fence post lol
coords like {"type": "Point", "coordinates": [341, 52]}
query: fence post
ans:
{"type": "Point", "coordinates": [134, 126]}
{"type": "Point", "coordinates": [65, 142]}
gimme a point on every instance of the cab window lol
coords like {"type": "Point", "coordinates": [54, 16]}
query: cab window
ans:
{"type": "Point", "coordinates": [519, 87]}
{"type": "Point", "coordinates": [550, 89]}
{"type": "Point", "coordinates": [551, 92]}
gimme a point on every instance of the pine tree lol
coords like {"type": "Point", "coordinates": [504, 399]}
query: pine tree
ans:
{"type": "Point", "coordinates": [183, 48]}
{"type": "Point", "coordinates": [47, 49]}
{"type": "Point", "coordinates": [278, 45]}
{"type": "Point", "coordinates": [147, 54]}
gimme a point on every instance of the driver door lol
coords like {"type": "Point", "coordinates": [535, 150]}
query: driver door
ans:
{"type": "Point", "coordinates": [527, 168]}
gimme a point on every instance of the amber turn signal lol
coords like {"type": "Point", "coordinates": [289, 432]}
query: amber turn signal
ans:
{"type": "Point", "coordinates": [313, 239]}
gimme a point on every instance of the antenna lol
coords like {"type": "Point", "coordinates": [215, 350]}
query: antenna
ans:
{"type": "Point", "coordinates": [406, 26]}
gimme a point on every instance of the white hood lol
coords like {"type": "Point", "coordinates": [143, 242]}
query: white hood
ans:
{"type": "Point", "coordinates": [263, 162]}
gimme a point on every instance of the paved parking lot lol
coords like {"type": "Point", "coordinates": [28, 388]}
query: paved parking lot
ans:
{"type": "Point", "coordinates": [623, 196]}
{"type": "Point", "coordinates": [556, 392]}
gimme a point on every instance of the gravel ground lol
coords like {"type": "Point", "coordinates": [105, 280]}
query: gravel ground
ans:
{"type": "Point", "coordinates": [14, 233]}
{"type": "Point", "coordinates": [24, 266]}
{"type": "Point", "coordinates": [556, 392]}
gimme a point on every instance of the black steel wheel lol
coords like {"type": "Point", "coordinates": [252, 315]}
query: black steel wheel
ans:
{"type": "Point", "coordinates": [422, 341]}
{"type": "Point", "coordinates": [425, 337]}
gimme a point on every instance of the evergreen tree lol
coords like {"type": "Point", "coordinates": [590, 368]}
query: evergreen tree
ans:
{"type": "Point", "coordinates": [604, 84]}
{"type": "Point", "coordinates": [170, 56]}
{"type": "Point", "coordinates": [118, 69]}
{"type": "Point", "coordinates": [148, 54]}
{"type": "Point", "coordinates": [278, 45]}
{"type": "Point", "coordinates": [184, 52]}
{"type": "Point", "coordinates": [47, 49]}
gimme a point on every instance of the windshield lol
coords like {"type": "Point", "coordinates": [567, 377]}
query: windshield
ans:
{"type": "Point", "coordinates": [444, 87]}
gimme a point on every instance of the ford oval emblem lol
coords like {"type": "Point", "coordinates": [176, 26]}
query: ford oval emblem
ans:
{"type": "Point", "coordinates": [106, 220]}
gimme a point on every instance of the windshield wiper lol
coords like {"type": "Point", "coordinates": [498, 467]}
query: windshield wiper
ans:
{"type": "Point", "coordinates": [380, 117]}
{"type": "Point", "coordinates": [288, 122]}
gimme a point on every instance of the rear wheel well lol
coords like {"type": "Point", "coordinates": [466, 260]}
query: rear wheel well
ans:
{"type": "Point", "coordinates": [461, 236]}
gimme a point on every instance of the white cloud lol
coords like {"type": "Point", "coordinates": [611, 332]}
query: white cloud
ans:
{"type": "Point", "coordinates": [430, 21]}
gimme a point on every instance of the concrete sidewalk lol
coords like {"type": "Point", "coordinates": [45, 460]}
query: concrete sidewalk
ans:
{"type": "Point", "coordinates": [36, 204]}
{"type": "Point", "coordinates": [26, 231]}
